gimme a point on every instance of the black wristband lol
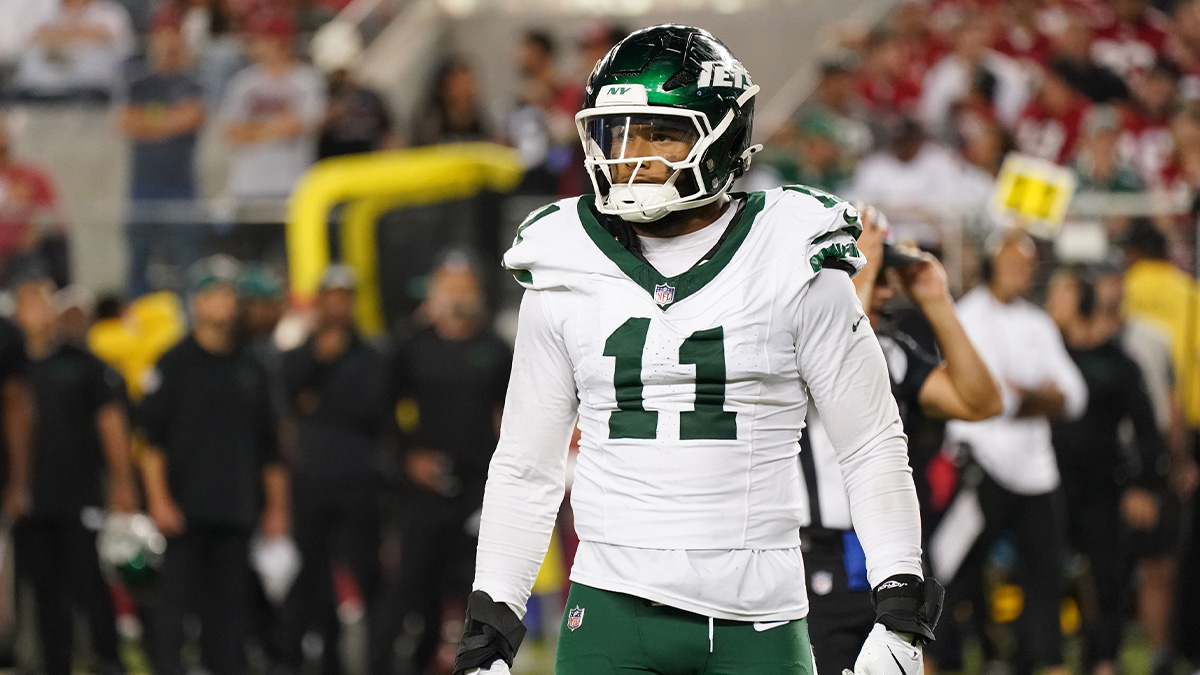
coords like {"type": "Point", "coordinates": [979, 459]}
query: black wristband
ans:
{"type": "Point", "coordinates": [492, 632]}
{"type": "Point", "coordinates": [906, 604]}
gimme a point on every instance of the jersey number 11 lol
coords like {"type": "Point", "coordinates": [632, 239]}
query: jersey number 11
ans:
{"type": "Point", "coordinates": [705, 349]}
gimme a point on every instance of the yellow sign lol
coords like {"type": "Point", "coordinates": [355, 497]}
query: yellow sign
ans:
{"type": "Point", "coordinates": [1032, 192]}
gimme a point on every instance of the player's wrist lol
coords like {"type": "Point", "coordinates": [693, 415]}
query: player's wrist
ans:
{"type": "Point", "coordinates": [492, 633]}
{"type": "Point", "coordinates": [907, 604]}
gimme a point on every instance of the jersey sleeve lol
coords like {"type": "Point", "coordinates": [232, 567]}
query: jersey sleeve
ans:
{"type": "Point", "coordinates": [527, 475]}
{"type": "Point", "coordinates": [844, 370]}
{"type": "Point", "coordinates": [533, 247]}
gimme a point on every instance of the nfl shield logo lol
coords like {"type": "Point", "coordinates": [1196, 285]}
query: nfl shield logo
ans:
{"type": "Point", "coordinates": [664, 294]}
{"type": "Point", "coordinates": [575, 618]}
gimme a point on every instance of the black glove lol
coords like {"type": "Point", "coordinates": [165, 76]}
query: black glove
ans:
{"type": "Point", "coordinates": [906, 604]}
{"type": "Point", "coordinates": [492, 632]}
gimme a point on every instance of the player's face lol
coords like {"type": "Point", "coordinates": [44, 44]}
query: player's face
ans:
{"type": "Point", "coordinates": [649, 140]}
{"type": "Point", "coordinates": [216, 305]}
{"type": "Point", "coordinates": [640, 145]}
{"type": "Point", "coordinates": [335, 307]}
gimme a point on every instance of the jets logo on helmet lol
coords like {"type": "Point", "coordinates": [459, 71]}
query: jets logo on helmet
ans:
{"type": "Point", "coordinates": [666, 123]}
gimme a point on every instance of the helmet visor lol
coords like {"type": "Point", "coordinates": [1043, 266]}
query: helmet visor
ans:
{"type": "Point", "coordinates": [648, 145]}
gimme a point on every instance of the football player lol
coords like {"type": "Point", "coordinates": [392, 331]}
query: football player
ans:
{"type": "Point", "coordinates": [683, 325]}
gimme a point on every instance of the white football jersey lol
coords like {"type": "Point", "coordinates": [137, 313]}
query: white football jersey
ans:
{"type": "Point", "coordinates": [690, 401]}
{"type": "Point", "coordinates": [691, 393]}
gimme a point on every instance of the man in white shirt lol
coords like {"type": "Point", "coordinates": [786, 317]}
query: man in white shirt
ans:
{"type": "Point", "coordinates": [79, 51]}
{"type": "Point", "coordinates": [271, 114]}
{"type": "Point", "coordinates": [686, 328]}
{"type": "Point", "coordinates": [1020, 486]}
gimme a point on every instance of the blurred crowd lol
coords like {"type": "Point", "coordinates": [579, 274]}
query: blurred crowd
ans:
{"type": "Point", "coordinates": [920, 111]}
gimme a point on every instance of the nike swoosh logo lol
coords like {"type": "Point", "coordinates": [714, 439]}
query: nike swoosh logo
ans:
{"type": "Point", "coordinates": [761, 626]}
{"type": "Point", "coordinates": [854, 328]}
{"type": "Point", "coordinates": [902, 670]}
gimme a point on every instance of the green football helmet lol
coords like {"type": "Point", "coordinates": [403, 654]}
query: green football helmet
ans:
{"type": "Point", "coordinates": [666, 123]}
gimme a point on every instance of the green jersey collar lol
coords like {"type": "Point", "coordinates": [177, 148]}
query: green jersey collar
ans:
{"type": "Point", "coordinates": [667, 291]}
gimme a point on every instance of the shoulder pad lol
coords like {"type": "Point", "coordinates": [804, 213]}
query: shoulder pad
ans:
{"type": "Point", "coordinates": [824, 226]}
{"type": "Point", "coordinates": [541, 253]}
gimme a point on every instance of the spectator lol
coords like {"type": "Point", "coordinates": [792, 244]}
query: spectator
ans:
{"type": "Point", "coordinates": [815, 159]}
{"type": "Point", "coordinates": [454, 114]}
{"type": "Point", "coordinates": [28, 203]}
{"type": "Point", "coordinates": [1146, 137]}
{"type": "Point", "coordinates": [1098, 165]}
{"type": "Point", "coordinates": [1021, 36]}
{"type": "Point", "coordinates": [916, 173]}
{"type": "Point", "coordinates": [356, 119]}
{"type": "Point", "coordinates": [336, 391]}
{"type": "Point", "coordinates": [82, 433]}
{"type": "Point", "coordinates": [271, 114]}
{"type": "Point", "coordinates": [1073, 46]}
{"type": "Point", "coordinates": [1049, 128]}
{"type": "Point", "coordinates": [162, 118]}
{"type": "Point", "coordinates": [1107, 491]}
{"type": "Point", "coordinates": [210, 28]}
{"type": "Point", "coordinates": [1182, 170]}
{"type": "Point", "coordinates": [985, 145]}
{"type": "Point", "coordinates": [951, 79]}
{"type": "Point", "coordinates": [210, 430]}
{"type": "Point", "coordinates": [21, 19]}
{"type": "Point", "coordinates": [1132, 39]}
{"type": "Point", "coordinates": [456, 372]}
{"type": "Point", "coordinates": [542, 127]}
{"type": "Point", "coordinates": [889, 83]}
{"type": "Point", "coordinates": [1163, 295]}
{"type": "Point", "coordinates": [1019, 490]}
{"type": "Point", "coordinates": [78, 53]}
{"type": "Point", "coordinates": [837, 97]}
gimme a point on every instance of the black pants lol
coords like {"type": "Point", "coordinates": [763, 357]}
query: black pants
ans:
{"type": "Point", "coordinates": [1189, 589]}
{"type": "Point", "coordinates": [437, 561]}
{"type": "Point", "coordinates": [328, 527]}
{"type": "Point", "coordinates": [839, 619]}
{"type": "Point", "coordinates": [205, 573]}
{"type": "Point", "coordinates": [1038, 523]}
{"type": "Point", "coordinates": [59, 560]}
{"type": "Point", "coordinates": [1094, 525]}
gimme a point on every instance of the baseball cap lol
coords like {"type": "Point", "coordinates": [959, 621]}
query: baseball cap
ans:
{"type": "Point", "coordinates": [271, 24]}
{"type": "Point", "coordinates": [339, 277]}
{"type": "Point", "coordinates": [259, 282]}
{"type": "Point", "coordinates": [214, 270]}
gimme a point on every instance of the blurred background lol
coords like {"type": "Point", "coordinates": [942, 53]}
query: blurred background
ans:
{"type": "Point", "coordinates": [357, 168]}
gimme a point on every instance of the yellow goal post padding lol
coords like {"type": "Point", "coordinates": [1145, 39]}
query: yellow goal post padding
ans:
{"type": "Point", "coordinates": [373, 184]}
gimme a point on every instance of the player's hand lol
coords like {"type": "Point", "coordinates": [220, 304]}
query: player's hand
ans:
{"type": "Point", "coordinates": [167, 517]}
{"type": "Point", "coordinates": [16, 503]}
{"type": "Point", "coordinates": [926, 283]}
{"type": "Point", "coordinates": [1139, 508]}
{"type": "Point", "coordinates": [884, 652]}
{"type": "Point", "coordinates": [498, 667]}
{"type": "Point", "coordinates": [275, 523]}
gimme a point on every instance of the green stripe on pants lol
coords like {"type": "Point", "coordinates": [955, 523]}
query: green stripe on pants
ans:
{"type": "Point", "coordinates": [606, 633]}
